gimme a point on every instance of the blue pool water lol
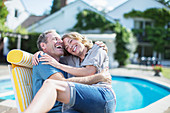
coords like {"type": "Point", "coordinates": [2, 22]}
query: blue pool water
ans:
{"type": "Point", "coordinates": [5, 87]}
{"type": "Point", "coordinates": [131, 93]}
{"type": "Point", "coordinates": [134, 93]}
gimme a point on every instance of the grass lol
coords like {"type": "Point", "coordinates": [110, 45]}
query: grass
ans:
{"type": "Point", "coordinates": [166, 72]}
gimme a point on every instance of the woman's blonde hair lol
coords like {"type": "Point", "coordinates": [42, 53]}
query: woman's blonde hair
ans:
{"type": "Point", "coordinates": [77, 36]}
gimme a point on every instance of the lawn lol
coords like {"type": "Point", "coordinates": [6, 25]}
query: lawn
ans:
{"type": "Point", "coordinates": [166, 72]}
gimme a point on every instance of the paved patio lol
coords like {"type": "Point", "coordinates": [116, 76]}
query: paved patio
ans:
{"type": "Point", "coordinates": [9, 106]}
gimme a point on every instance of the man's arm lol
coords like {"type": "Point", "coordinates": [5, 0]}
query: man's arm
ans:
{"type": "Point", "coordinates": [104, 76]}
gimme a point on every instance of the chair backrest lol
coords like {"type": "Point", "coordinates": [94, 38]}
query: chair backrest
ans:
{"type": "Point", "coordinates": [21, 77]}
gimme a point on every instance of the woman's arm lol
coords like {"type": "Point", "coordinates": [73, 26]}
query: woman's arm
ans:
{"type": "Point", "coordinates": [78, 72]}
{"type": "Point", "coordinates": [84, 71]}
{"type": "Point", "coordinates": [103, 76]}
{"type": "Point", "coordinates": [35, 59]}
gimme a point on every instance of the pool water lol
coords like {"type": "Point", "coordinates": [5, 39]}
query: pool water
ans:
{"type": "Point", "coordinates": [6, 89]}
{"type": "Point", "coordinates": [5, 85]}
{"type": "Point", "coordinates": [134, 93]}
{"type": "Point", "coordinates": [131, 93]}
{"type": "Point", "coordinates": [11, 97]}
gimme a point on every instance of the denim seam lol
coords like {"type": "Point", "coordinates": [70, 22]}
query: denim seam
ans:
{"type": "Point", "coordinates": [72, 94]}
{"type": "Point", "coordinates": [106, 103]}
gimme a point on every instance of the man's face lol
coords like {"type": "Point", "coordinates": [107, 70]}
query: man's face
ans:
{"type": "Point", "coordinates": [54, 45]}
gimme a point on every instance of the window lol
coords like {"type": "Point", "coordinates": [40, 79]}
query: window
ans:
{"type": "Point", "coordinates": [16, 13]}
{"type": "Point", "coordinates": [141, 24]}
{"type": "Point", "coordinates": [149, 24]}
{"type": "Point", "coordinates": [138, 25]}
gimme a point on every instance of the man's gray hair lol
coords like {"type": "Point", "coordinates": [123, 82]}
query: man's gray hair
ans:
{"type": "Point", "coordinates": [43, 39]}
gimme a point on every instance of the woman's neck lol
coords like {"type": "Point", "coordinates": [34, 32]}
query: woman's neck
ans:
{"type": "Point", "coordinates": [82, 56]}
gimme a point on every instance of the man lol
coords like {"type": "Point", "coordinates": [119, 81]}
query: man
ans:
{"type": "Point", "coordinates": [50, 43]}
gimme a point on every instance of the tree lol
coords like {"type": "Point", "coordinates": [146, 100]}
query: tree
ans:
{"type": "Point", "coordinates": [3, 12]}
{"type": "Point", "coordinates": [87, 20]}
{"type": "Point", "coordinates": [3, 15]}
{"type": "Point", "coordinates": [56, 6]}
{"type": "Point", "coordinates": [165, 2]}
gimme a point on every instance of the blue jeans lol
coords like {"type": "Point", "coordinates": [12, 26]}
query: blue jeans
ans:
{"type": "Point", "coordinates": [91, 99]}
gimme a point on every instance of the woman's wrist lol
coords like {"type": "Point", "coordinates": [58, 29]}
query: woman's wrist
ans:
{"type": "Point", "coordinates": [58, 66]}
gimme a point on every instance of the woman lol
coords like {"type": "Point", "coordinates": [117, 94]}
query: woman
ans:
{"type": "Point", "coordinates": [86, 59]}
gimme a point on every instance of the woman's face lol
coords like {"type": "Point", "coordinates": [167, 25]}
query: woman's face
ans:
{"type": "Point", "coordinates": [73, 46]}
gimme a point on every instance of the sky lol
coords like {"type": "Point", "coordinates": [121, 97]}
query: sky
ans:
{"type": "Point", "coordinates": [38, 7]}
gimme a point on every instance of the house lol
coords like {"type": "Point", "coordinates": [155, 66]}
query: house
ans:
{"type": "Point", "coordinates": [144, 49]}
{"type": "Point", "coordinates": [17, 13]}
{"type": "Point", "coordinates": [64, 19]}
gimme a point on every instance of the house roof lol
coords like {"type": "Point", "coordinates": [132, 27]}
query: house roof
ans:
{"type": "Point", "coordinates": [64, 8]}
{"type": "Point", "coordinates": [129, 1]}
{"type": "Point", "coordinates": [23, 4]}
{"type": "Point", "coordinates": [31, 20]}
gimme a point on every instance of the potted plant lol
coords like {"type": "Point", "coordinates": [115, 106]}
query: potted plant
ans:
{"type": "Point", "coordinates": [157, 69]}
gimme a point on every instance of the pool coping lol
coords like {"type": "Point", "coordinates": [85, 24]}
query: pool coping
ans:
{"type": "Point", "coordinates": [159, 106]}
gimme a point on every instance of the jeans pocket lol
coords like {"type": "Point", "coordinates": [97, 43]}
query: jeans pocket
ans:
{"type": "Point", "coordinates": [110, 106]}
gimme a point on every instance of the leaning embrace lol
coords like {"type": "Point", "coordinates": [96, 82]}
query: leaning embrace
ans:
{"type": "Point", "coordinates": [75, 83]}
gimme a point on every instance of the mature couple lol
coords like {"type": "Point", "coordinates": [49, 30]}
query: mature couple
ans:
{"type": "Point", "coordinates": [59, 82]}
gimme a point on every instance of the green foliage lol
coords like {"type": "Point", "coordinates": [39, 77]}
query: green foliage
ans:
{"type": "Point", "coordinates": [122, 40]}
{"type": "Point", "coordinates": [29, 45]}
{"type": "Point", "coordinates": [160, 16]}
{"type": "Point", "coordinates": [21, 30]}
{"type": "Point", "coordinates": [166, 72]}
{"type": "Point", "coordinates": [3, 12]}
{"type": "Point", "coordinates": [158, 37]}
{"type": "Point", "coordinates": [133, 14]}
{"type": "Point", "coordinates": [4, 28]}
{"type": "Point", "coordinates": [3, 15]}
{"type": "Point", "coordinates": [165, 2]}
{"type": "Point", "coordinates": [56, 6]}
{"type": "Point", "coordinates": [89, 20]}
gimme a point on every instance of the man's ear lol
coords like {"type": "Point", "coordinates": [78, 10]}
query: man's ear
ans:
{"type": "Point", "coordinates": [43, 46]}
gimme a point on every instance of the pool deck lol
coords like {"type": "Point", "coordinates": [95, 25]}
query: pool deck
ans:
{"type": "Point", "coordinates": [160, 106]}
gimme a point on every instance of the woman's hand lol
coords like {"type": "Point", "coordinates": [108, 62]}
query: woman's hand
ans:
{"type": "Point", "coordinates": [35, 59]}
{"type": "Point", "coordinates": [101, 44]}
{"type": "Point", "coordinates": [49, 60]}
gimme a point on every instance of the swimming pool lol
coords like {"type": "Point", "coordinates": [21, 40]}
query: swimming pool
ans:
{"type": "Point", "coordinates": [131, 93]}
{"type": "Point", "coordinates": [6, 90]}
{"type": "Point", "coordinates": [134, 93]}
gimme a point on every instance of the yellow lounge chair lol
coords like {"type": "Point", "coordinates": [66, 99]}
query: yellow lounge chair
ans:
{"type": "Point", "coordinates": [21, 77]}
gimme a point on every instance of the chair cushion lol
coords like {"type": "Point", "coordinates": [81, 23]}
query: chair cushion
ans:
{"type": "Point", "coordinates": [21, 77]}
{"type": "Point", "coordinates": [19, 57]}
{"type": "Point", "coordinates": [22, 85]}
